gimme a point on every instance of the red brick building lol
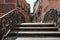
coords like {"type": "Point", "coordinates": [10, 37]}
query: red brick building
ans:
{"type": "Point", "coordinates": [43, 7]}
{"type": "Point", "coordinates": [7, 5]}
{"type": "Point", "coordinates": [21, 6]}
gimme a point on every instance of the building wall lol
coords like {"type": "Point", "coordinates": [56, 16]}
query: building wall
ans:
{"type": "Point", "coordinates": [24, 8]}
{"type": "Point", "coordinates": [50, 4]}
{"type": "Point", "coordinates": [7, 5]}
{"type": "Point", "coordinates": [20, 5]}
{"type": "Point", "coordinates": [46, 5]}
{"type": "Point", "coordinates": [37, 11]}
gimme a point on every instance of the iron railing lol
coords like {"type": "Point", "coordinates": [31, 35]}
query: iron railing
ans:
{"type": "Point", "coordinates": [7, 22]}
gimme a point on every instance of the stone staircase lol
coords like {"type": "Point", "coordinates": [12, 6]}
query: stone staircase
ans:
{"type": "Point", "coordinates": [34, 30]}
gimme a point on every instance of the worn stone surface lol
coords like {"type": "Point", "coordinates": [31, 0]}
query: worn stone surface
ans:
{"type": "Point", "coordinates": [19, 38]}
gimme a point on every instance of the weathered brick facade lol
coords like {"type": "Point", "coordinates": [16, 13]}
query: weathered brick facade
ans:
{"type": "Point", "coordinates": [10, 1]}
{"type": "Point", "coordinates": [7, 5]}
{"type": "Point", "coordinates": [21, 6]}
{"type": "Point", "coordinates": [4, 8]}
{"type": "Point", "coordinates": [24, 8]}
{"type": "Point", "coordinates": [45, 6]}
{"type": "Point", "coordinates": [1, 1]}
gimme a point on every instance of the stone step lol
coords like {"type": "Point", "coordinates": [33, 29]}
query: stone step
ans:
{"type": "Point", "coordinates": [35, 34]}
{"type": "Point", "coordinates": [35, 29]}
{"type": "Point", "coordinates": [35, 25]}
{"type": "Point", "coordinates": [34, 38]}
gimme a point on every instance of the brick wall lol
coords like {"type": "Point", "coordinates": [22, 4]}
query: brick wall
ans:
{"type": "Point", "coordinates": [4, 8]}
{"type": "Point", "coordinates": [1, 1]}
{"type": "Point", "coordinates": [7, 5]}
{"type": "Point", "coordinates": [10, 1]}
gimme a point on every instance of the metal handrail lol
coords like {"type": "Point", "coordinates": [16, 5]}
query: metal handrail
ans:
{"type": "Point", "coordinates": [7, 22]}
{"type": "Point", "coordinates": [7, 13]}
